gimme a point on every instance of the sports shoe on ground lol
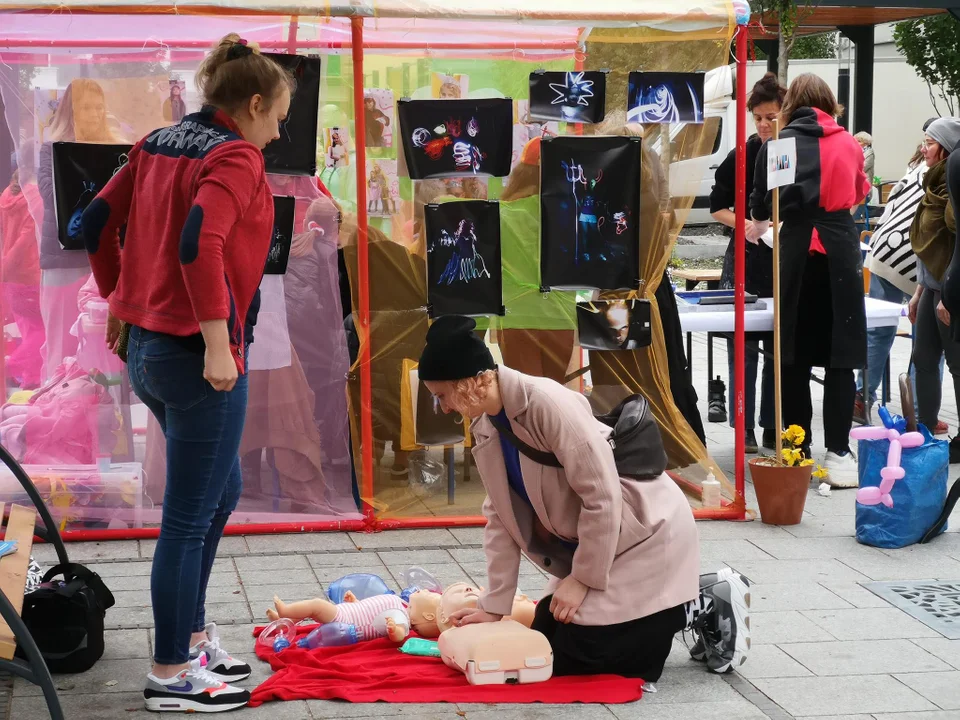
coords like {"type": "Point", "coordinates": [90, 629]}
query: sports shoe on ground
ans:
{"type": "Point", "coordinates": [941, 428]}
{"type": "Point", "coordinates": [860, 410]}
{"type": "Point", "coordinates": [722, 630]}
{"type": "Point", "coordinates": [769, 439]}
{"type": "Point", "coordinates": [192, 690]}
{"type": "Point", "coordinates": [841, 470]}
{"type": "Point", "coordinates": [750, 443]}
{"type": "Point", "coordinates": [217, 661]}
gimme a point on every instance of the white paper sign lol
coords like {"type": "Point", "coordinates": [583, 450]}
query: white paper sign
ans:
{"type": "Point", "coordinates": [781, 162]}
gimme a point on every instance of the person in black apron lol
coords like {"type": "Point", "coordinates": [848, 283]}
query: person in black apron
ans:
{"type": "Point", "coordinates": [822, 317]}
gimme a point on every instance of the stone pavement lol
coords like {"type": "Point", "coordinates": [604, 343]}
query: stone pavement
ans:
{"type": "Point", "coordinates": [824, 646]}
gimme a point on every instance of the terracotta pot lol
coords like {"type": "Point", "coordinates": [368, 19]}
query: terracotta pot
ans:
{"type": "Point", "coordinates": [781, 491]}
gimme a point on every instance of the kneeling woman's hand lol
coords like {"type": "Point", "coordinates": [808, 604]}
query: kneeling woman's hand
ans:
{"type": "Point", "coordinates": [469, 616]}
{"type": "Point", "coordinates": [567, 599]}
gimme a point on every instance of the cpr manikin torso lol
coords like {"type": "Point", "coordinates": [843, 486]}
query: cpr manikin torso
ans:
{"type": "Point", "coordinates": [430, 613]}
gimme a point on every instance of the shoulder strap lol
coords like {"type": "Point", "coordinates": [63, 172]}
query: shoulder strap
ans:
{"type": "Point", "coordinates": [538, 456]}
{"type": "Point", "coordinates": [75, 571]}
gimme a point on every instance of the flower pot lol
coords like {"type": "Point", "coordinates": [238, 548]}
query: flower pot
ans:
{"type": "Point", "coordinates": [781, 491]}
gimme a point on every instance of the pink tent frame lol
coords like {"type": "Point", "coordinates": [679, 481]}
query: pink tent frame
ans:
{"type": "Point", "coordinates": [730, 510]}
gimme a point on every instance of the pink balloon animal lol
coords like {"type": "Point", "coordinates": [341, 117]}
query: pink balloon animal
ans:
{"type": "Point", "coordinates": [892, 472]}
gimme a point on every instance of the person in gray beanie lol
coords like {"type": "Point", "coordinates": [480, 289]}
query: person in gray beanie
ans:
{"type": "Point", "coordinates": [932, 237]}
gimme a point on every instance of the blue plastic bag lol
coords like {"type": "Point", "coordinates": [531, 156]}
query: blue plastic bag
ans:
{"type": "Point", "coordinates": [917, 499]}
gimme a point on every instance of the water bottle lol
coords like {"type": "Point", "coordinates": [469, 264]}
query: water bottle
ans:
{"type": "Point", "coordinates": [330, 635]}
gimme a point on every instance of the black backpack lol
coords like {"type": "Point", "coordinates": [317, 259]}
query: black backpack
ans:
{"type": "Point", "coordinates": [65, 618]}
{"type": "Point", "coordinates": [636, 442]}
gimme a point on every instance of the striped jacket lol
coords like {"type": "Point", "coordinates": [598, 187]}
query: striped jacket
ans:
{"type": "Point", "coordinates": [891, 256]}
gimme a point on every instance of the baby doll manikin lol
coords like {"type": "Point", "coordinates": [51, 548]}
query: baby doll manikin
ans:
{"type": "Point", "coordinates": [374, 617]}
{"type": "Point", "coordinates": [430, 612]}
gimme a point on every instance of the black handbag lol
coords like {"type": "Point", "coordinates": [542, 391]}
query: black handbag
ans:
{"type": "Point", "coordinates": [65, 618]}
{"type": "Point", "coordinates": [636, 442]}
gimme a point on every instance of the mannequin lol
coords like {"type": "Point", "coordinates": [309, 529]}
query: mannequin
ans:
{"type": "Point", "coordinates": [389, 614]}
{"type": "Point", "coordinates": [439, 608]}
{"type": "Point", "coordinates": [950, 287]}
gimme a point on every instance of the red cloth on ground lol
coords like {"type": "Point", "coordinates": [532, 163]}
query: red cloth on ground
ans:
{"type": "Point", "coordinates": [377, 671]}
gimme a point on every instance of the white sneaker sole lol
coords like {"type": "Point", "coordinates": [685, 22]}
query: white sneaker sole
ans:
{"type": "Point", "coordinates": [842, 479]}
{"type": "Point", "coordinates": [188, 706]}
{"type": "Point", "coordinates": [740, 601]}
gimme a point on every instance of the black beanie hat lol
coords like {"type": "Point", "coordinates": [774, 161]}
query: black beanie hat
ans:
{"type": "Point", "coordinates": [454, 351]}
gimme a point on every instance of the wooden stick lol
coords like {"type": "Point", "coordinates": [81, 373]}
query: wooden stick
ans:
{"type": "Point", "coordinates": [777, 402]}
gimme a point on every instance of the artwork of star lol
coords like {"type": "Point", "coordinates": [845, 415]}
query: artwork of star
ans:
{"type": "Point", "coordinates": [574, 90]}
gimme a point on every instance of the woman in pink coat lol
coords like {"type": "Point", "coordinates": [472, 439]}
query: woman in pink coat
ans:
{"type": "Point", "coordinates": [624, 553]}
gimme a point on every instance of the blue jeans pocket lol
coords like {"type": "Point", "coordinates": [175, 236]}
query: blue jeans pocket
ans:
{"type": "Point", "coordinates": [173, 374]}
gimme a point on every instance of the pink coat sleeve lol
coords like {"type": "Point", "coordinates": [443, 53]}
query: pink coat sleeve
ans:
{"type": "Point", "coordinates": [503, 564]}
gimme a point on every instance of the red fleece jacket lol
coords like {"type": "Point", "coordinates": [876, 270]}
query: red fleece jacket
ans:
{"type": "Point", "coordinates": [198, 217]}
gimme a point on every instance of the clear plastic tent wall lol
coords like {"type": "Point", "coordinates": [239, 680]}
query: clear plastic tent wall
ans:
{"type": "Point", "coordinates": [113, 76]}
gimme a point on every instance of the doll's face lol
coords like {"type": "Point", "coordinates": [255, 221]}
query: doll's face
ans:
{"type": "Point", "coordinates": [423, 610]}
{"type": "Point", "coordinates": [456, 597]}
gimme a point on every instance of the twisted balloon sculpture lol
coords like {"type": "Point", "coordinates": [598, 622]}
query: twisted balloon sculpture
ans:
{"type": "Point", "coordinates": [892, 430]}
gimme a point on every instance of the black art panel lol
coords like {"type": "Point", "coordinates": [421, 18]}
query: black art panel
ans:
{"type": "Point", "coordinates": [279, 255]}
{"type": "Point", "coordinates": [80, 171]}
{"type": "Point", "coordinates": [295, 153]}
{"type": "Point", "coordinates": [434, 427]}
{"type": "Point", "coordinates": [665, 97]}
{"type": "Point", "coordinates": [450, 138]}
{"type": "Point", "coordinates": [614, 324]}
{"type": "Point", "coordinates": [590, 212]}
{"type": "Point", "coordinates": [578, 97]}
{"type": "Point", "coordinates": [463, 258]}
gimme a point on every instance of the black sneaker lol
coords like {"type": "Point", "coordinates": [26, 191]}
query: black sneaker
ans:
{"type": "Point", "coordinates": [955, 450]}
{"type": "Point", "coordinates": [192, 690]}
{"type": "Point", "coordinates": [750, 443]}
{"type": "Point", "coordinates": [769, 439]}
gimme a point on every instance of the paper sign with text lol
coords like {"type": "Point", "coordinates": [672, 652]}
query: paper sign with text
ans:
{"type": "Point", "coordinates": [781, 162]}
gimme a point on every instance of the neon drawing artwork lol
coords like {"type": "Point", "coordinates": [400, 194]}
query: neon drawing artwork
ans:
{"type": "Point", "coordinates": [573, 91]}
{"type": "Point", "coordinates": [465, 264]}
{"type": "Point", "coordinates": [466, 156]}
{"type": "Point", "coordinates": [672, 100]}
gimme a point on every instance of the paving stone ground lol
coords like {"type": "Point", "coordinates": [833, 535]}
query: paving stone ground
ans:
{"type": "Point", "coordinates": [823, 645]}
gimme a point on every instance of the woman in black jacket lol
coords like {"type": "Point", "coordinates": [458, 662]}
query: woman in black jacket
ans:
{"type": "Point", "coordinates": [764, 103]}
{"type": "Point", "coordinates": [823, 321]}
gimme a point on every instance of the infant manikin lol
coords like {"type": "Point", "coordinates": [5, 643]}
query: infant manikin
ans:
{"type": "Point", "coordinates": [430, 613]}
{"type": "Point", "coordinates": [374, 617]}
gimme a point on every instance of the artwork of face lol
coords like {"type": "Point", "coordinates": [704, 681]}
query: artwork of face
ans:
{"type": "Point", "coordinates": [614, 324]}
{"type": "Point", "coordinates": [295, 152]}
{"type": "Point", "coordinates": [463, 258]}
{"type": "Point", "coordinates": [456, 137]}
{"type": "Point", "coordinates": [80, 171]}
{"type": "Point", "coordinates": [568, 96]}
{"type": "Point", "coordinates": [655, 97]}
{"type": "Point", "coordinates": [378, 106]}
{"type": "Point", "coordinates": [590, 207]}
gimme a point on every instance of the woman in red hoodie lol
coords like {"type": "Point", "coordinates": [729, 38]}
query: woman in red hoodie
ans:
{"type": "Point", "coordinates": [20, 276]}
{"type": "Point", "coordinates": [822, 320]}
{"type": "Point", "coordinates": [195, 214]}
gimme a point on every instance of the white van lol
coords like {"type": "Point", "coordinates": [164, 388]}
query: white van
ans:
{"type": "Point", "coordinates": [693, 176]}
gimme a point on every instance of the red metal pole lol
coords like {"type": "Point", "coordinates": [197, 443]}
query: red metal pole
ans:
{"type": "Point", "coordinates": [152, 533]}
{"type": "Point", "coordinates": [285, 44]}
{"type": "Point", "coordinates": [740, 207]}
{"type": "Point", "coordinates": [292, 35]}
{"type": "Point", "coordinates": [363, 279]}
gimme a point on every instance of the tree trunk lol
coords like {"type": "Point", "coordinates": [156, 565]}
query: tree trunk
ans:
{"type": "Point", "coordinates": [783, 57]}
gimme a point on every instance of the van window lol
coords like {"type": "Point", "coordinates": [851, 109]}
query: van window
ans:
{"type": "Point", "coordinates": [697, 140]}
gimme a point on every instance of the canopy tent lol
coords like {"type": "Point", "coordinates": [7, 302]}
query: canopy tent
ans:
{"type": "Point", "coordinates": [396, 45]}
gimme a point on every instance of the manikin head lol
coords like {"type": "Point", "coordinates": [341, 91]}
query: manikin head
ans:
{"type": "Point", "coordinates": [423, 609]}
{"type": "Point", "coordinates": [458, 369]}
{"type": "Point", "coordinates": [249, 87]}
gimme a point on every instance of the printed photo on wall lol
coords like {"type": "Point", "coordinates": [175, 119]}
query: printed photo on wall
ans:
{"type": "Point", "coordinates": [383, 187]}
{"type": "Point", "coordinates": [665, 97]}
{"type": "Point", "coordinates": [336, 143]}
{"type": "Point", "coordinates": [295, 153]}
{"type": "Point", "coordinates": [175, 105]}
{"type": "Point", "coordinates": [435, 427]}
{"type": "Point", "coordinates": [614, 324]}
{"type": "Point", "coordinates": [378, 109]}
{"type": "Point", "coordinates": [449, 87]}
{"type": "Point", "coordinates": [447, 138]}
{"type": "Point", "coordinates": [80, 171]}
{"type": "Point", "coordinates": [463, 258]}
{"type": "Point", "coordinates": [525, 129]}
{"type": "Point", "coordinates": [578, 97]}
{"type": "Point", "coordinates": [283, 217]}
{"type": "Point", "coordinates": [590, 212]}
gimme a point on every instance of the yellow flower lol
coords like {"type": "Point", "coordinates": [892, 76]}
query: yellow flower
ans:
{"type": "Point", "coordinates": [806, 462]}
{"type": "Point", "coordinates": [820, 472]}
